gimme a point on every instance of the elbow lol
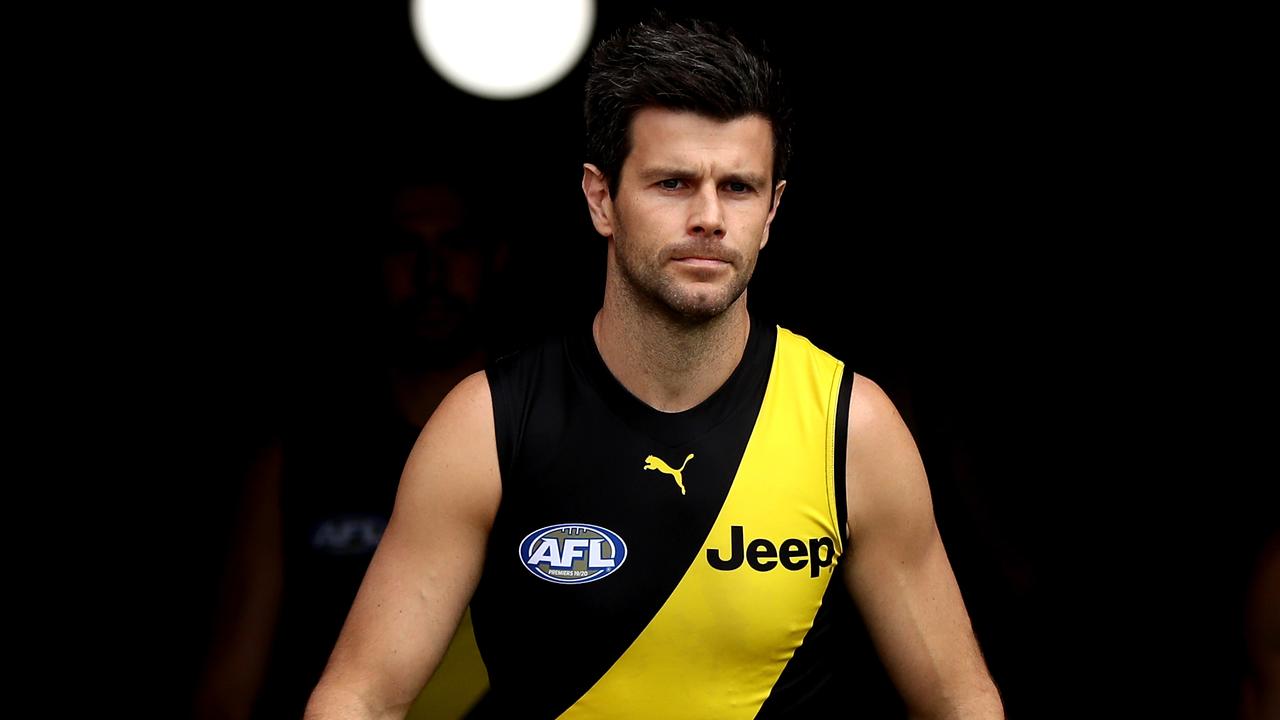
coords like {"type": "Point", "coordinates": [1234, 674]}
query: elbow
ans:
{"type": "Point", "coordinates": [978, 703]}
{"type": "Point", "coordinates": [985, 705]}
{"type": "Point", "coordinates": [332, 700]}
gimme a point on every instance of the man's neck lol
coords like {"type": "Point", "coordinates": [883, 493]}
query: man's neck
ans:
{"type": "Point", "coordinates": [670, 366]}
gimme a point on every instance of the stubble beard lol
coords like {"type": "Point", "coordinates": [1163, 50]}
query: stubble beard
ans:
{"type": "Point", "coordinates": [654, 285]}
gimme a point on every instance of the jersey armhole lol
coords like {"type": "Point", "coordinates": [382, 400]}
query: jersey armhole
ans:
{"type": "Point", "coordinates": [496, 373]}
{"type": "Point", "coordinates": [838, 444]}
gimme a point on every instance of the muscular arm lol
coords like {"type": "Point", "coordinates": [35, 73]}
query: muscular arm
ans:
{"type": "Point", "coordinates": [898, 573]}
{"type": "Point", "coordinates": [425, 568]}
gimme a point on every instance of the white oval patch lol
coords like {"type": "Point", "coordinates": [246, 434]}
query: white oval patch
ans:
{"type": "Point", "coordinates": [572, 553]}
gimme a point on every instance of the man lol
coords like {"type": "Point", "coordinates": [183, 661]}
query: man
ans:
{"type": "Point", "coordinates": [320, 491]}
{"type": "Point", "coordinates": [652, 513]}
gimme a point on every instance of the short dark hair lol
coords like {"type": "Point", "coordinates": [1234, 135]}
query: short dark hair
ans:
{"type": "Point", "coordinates": [679, 65]}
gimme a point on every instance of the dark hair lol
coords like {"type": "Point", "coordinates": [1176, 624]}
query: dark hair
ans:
{"type": "Point", "coordinates": [696, 66]}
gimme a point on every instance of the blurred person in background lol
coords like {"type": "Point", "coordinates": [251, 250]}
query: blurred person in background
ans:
{"type": "Point", "coordinates": [318, 494]}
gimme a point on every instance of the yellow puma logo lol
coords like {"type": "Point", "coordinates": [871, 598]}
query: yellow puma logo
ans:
{"type": "Point", "coordinates": [653, 462]}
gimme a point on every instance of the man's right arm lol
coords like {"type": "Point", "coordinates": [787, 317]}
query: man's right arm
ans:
{"type": "Point", "coordinates": [425, 568]}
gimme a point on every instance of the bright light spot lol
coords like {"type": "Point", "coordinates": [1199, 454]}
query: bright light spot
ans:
{"type": "Point", "coordinates": [503, 49]}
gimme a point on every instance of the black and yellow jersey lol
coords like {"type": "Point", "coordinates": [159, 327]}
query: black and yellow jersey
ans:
{"type": "Point", "coordinates": [664, 565]}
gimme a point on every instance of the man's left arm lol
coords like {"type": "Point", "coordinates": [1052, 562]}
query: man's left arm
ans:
{"type": "Point", "coordinates": [898, 573]}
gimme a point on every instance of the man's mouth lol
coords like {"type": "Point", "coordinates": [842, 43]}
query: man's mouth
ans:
{"type": "Point", "coordinates": [701, 261]}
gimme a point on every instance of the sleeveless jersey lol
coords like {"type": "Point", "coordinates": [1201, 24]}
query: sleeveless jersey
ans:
{"type": "Point", "coordinates": [665, 565]}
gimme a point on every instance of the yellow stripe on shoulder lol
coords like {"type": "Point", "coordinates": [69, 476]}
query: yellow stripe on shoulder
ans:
{"type": "Point", "coordinates": [818, 371]}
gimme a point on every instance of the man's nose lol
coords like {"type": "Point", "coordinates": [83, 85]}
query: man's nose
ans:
{"type": "Point", "coordinates": [706, 215]}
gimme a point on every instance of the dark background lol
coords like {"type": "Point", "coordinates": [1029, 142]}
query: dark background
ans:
{"type": "Point", "coordinates": [1028, 226]}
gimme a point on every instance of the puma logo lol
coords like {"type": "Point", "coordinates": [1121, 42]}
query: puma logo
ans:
{"type": "Point", "coordinates": [653, 462]}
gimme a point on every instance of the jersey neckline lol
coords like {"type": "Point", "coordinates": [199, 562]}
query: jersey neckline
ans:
{"type": "Point", "coordinates": [745, 385]}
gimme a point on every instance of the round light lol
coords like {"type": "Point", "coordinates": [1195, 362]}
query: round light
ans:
{"type": "Point", "coordinates": [502, 49]}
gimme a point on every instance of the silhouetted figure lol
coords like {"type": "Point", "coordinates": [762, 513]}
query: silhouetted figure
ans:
{"type": "Point", "coordinates": [1261, 699]}
{"type": "Point", "coordinates": [318, 495]}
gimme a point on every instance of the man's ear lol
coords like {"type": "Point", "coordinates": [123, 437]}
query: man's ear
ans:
{"type": "Point", "coordinates": [596, 188]}
{"type": "Point", "coordinates": [777, 200]}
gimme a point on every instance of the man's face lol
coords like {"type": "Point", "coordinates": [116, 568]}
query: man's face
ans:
{"type": "Point", "coordinates": [432, 276]}
{"type": "Point", "coordinates": [692, 211]}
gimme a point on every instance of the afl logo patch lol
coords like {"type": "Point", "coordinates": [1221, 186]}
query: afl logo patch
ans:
{"type": "Point", "coordinates": [572, 554]}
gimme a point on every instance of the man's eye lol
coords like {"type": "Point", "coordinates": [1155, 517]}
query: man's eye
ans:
{"type": "Point", "coordinates": [739, 187]}
{"type": "Point", "coordinates": [670, 184]}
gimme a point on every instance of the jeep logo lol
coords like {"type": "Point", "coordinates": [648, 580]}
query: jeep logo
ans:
{"type": "Point", "coordinates": [763, 555]}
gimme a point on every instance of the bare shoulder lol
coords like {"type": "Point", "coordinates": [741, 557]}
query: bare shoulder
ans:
{"type": "Point", "coordinates": [886, 485]}
{"type": "Point", "coordinates": [876, 428]}
{"type": "Point", "coordinates": [898, 571]}
{"type": "Point", "coordinates": [455, 458]}
{"type": "Point", "coordinates": [469, 400]}
{"type": "Point", "coordinates": [869, 405]}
